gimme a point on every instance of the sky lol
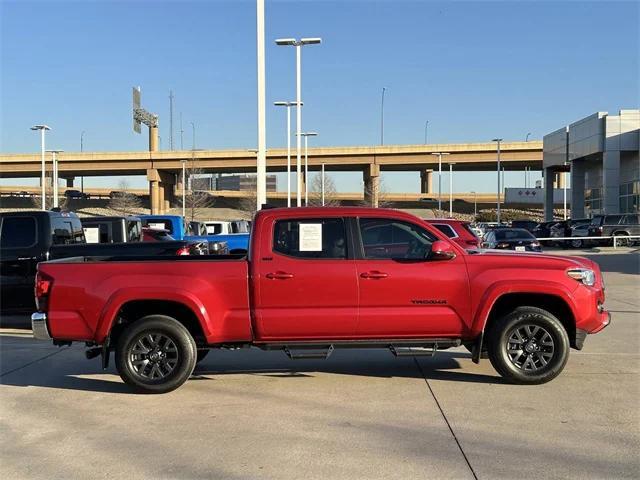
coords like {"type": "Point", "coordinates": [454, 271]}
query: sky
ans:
{"type": "Point", "coordinates": [474, 70]}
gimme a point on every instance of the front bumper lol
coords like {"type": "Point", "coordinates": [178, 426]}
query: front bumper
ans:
{"type": "Point", "coordinates": [39, 326]}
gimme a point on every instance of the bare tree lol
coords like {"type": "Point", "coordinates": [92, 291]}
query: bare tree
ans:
{"type": "Point", "coordinates": [124, 201]}
{"type": "Point", "coordinates": [315, 193]}
{"type": "Point", "coordinates": [379, 188]}
{"type": "Point", "coordinates": [249, 204]}
{"type": "Point", "coordinates": [197, 196]}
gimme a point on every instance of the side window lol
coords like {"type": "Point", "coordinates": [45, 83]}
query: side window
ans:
{"type": "Point", "coordinates": [631, 220]}
{"type": "Point", "coordinates": [134, 233]}
{"type": "Point", "coordinates": [18, 232]}
{"type": "Point", "coordinates": [311, 238]}
{"type": "Point", "coordinates": [612, 219]}
{"type": "Point", "coordinates": [446, 229]}
{"type": "Point", "coordinates": [393, 239]}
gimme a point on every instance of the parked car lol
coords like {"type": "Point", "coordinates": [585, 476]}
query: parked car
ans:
{"type": "Point", "coordinates": [543, 230]}
{"type": "Point", "coordinates": [517, 239]}
{"type": "Point", "coordinates": [457, 230]}
{"type": "Point", "coordinates": [321, 279]}
{"type": "Point", "coordinates": [615, 225]}
{"type": "Point", "coordinates": [564, 229]}
{"type": "Point", "coordinates": [196, 228]}
{"type": "Point", "coordinates": [29, 237]}
{"type": "Point", "coordinates": [225, 227]}
{"type": "Point", "coordinates": [577, 232]}
{"type": "Point", "coordinates": [191, 247]}
{"type": "Point", "coordinates": [76, 195]}
{"type": "Point", "coordinates": [237, 243]}
{"type": "Point", "coordinates": [112, 229]}
{"type": "Point", "coordinates": [528, 225]}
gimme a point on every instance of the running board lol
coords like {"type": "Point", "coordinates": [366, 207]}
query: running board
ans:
{"type": "Point", "coordinates": [429, 351]}
{"type": "Point", "coordinates": [309, 353]}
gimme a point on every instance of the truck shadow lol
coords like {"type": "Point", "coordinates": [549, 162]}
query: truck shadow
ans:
{"type": "Point", "coordinates": [67, 368]}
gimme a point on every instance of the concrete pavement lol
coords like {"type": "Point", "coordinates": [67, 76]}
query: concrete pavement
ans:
{"type": "Point", "coordinates": [359, 414]}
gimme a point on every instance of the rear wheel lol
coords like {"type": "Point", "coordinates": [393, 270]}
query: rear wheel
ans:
{"type": "Point", "coordinates": [528, 346]}
{"type": "Point", "coordinates": [622, 242]}
{"type": "Point", "coordinates": [577, 243]}
{"type": "Point", "coordinates": [155, 354]}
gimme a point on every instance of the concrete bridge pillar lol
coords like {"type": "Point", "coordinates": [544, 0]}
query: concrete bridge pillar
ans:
{"type": "Point", "coordinates": [371, 177]}
{"type": "Point", "coordinates": [426, 181]}
{"type": "Point", "coordinates": [161, 186]}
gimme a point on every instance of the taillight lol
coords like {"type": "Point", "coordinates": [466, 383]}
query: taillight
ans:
{"type": "Point", "coordinates": [183, 251]}
{"type": "Point", "coordinates": [42, 290]}
{"type": "Point", "coordinates": [600, 229]}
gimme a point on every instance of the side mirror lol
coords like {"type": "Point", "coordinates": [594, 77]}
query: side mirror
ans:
{"type": "Point", "coordinates": [441, 250]}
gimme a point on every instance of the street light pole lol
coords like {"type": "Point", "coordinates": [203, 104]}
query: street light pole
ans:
{"type": "Point", "coordinates": [261, 157]}
{"type": "Point", "coordinates": [384, 89]}
{"type": "Point", "coordinates": [306, 135]}
{"type": "Point", "coordinates": [298, 44]}
{"type": "Point", "coordinates": [82, 150]}
{"type": "Point", "coordinates": [475, 206]}
{"type": "Point", "coordinates": [451, 190]}
{"type": "Point", "coordinates": [527, 137]}
{"type": "Point", "coordinates": [288, 105]}
{"type": "Point", "coordinates": [54, 159]}
{"type": "Point", "coordinates": [498, 140]}
{"type": "Point", "coordinates": [184, 188]}
{"type": "Point", "coordinates": [193, 140]}
{"type": "Point", "coordinates": [439, 154]}
{"type": "Point", "coordinates": [322, 178]}
{"type": "Point", "coordinates": [43, 129]}
{"type": "Point", "coordinates": [426, 126]}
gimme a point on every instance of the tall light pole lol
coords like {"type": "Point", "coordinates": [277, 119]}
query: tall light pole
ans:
{"type": "Point", "coordinates": [384, 89]}
{"type": "Point", "coordinates": [54, 159]}
{"type": "Point", "coordinates": [526, 139]}
{"type": "Point", "coordinates": [43, 129]}
{"type": "Point", "coordinates": [193, 139]}
{"type": "Point", "coordinates": [475, 206]}
{"type": "Point", "coordinates": [82, 150]}
{"type": "Point", "coordinates": [261, 157]}
{"type": "Point", "coordinates": [298, 44]}
{"type": "Point", "coordinates": [451, 190]}
{"type": "Point", "coordinates": [439, 154]}
{"type": "Point", "coordinates": [426, 126]}
{"type": "Point", "coordinates": [322, 181]}
{"type": "Point", "coordinates": [498, 140]}
{"type": "Point", "coordinates": [288, 105]}
{"type": "Point", "coordinates": [564, 193]}
{"type": "Point", "coordinates": [306, 136]}
{"type": "Point", "coordinates": [184, 188]}
{"type": "Point", "coordinates": [181, 133]}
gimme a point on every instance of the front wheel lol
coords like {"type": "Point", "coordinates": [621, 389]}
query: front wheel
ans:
{"type": "Point", "coordinates": [155, 354]}
{"type": "Point", "coordinates": [528, 346]}
{"type": "Point", "coordinates": [576, 243]}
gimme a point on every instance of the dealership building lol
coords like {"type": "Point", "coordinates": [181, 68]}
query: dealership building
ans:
{"type": "Point", "coordinates": [600, 154]}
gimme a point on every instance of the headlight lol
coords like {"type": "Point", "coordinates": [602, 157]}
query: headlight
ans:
{"type": "Point", "coordinates": [584, 275]}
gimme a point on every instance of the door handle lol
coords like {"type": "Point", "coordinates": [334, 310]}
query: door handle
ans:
{"type": "Point", "coordinates": [279, 275]}
{"type": "Point", "coordinates": [375, 274]}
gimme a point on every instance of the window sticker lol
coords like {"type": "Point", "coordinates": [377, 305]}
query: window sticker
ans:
{"type": "Point", "coordinates": [92, 234]}
{"type": "Point", "coordinates": [310, 237]}
{"type": "Point", "coordinates": [156, 226]}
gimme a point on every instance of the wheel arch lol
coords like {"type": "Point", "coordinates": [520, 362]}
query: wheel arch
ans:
{"type": "Point", "coordinates": [552, 303]}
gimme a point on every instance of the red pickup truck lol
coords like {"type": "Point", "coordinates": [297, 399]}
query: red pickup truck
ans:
{"type": "Point", "coordinates": [316, 279]}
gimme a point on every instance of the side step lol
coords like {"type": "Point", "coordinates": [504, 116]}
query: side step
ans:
{"type": "Point", "coordinates": [308, 353]}
{"type": "Point", "coordinates": [429, 351]}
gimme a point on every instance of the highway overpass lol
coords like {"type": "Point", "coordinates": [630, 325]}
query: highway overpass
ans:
{"type": "Point", "coordinates": [162, 168]}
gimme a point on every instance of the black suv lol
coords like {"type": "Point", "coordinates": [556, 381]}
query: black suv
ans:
{"type": "Point", "coordinates": [615, 225]}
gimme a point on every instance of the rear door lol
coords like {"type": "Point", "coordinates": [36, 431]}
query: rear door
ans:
{"type": "Point", "coordinates": [306, 281]}
{"type": "Point", "coordinates": [402, 292]}
{"type": "Point", "coordinates": [19, 254]}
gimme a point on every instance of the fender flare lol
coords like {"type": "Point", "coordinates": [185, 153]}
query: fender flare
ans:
{"type": "Point", "coordinates": [122, 296]}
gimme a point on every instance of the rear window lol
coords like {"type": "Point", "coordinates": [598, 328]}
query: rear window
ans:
{"type": "Point", "coordinates": [631, 220]}
{"type": "Point", "coordinates": [158, 224]}
{"type": "Point", "coordinates": [18, 232]}
{"type": "Point", "coordinates": [66, 230]}
{"type": "Point", "coordinates": [467, 227]}
{"type": "Point", "coordinates": [612, 219]}
{"type": "Point", "coordinates": [311, 238]}
{"type": "Point", "coordinates": [516, 234]}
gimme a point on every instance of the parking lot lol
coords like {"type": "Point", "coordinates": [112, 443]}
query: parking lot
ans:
{"type": "Point", "coordinates": [359, 414]}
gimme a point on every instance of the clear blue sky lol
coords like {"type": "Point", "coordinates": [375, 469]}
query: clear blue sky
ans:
{"type": "Point", "coordinates": [475, 70]}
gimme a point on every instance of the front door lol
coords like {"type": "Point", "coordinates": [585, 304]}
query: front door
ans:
{"type": "Point", "coordinates": [402, 292]}
{"type": "Point", "coordinates": [306, 282]}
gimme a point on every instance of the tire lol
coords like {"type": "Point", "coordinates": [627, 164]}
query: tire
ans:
{"type": "Point", "coordinates": [201, 354]}
{"type": "Point", "coordinates": [576, 243]}
{"type": "Point", "coordinates": [545, 348]}
{"type": "Point", "coordinates": [622, 242]}
{"type": "Point", "coordinates": [155, 354]}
